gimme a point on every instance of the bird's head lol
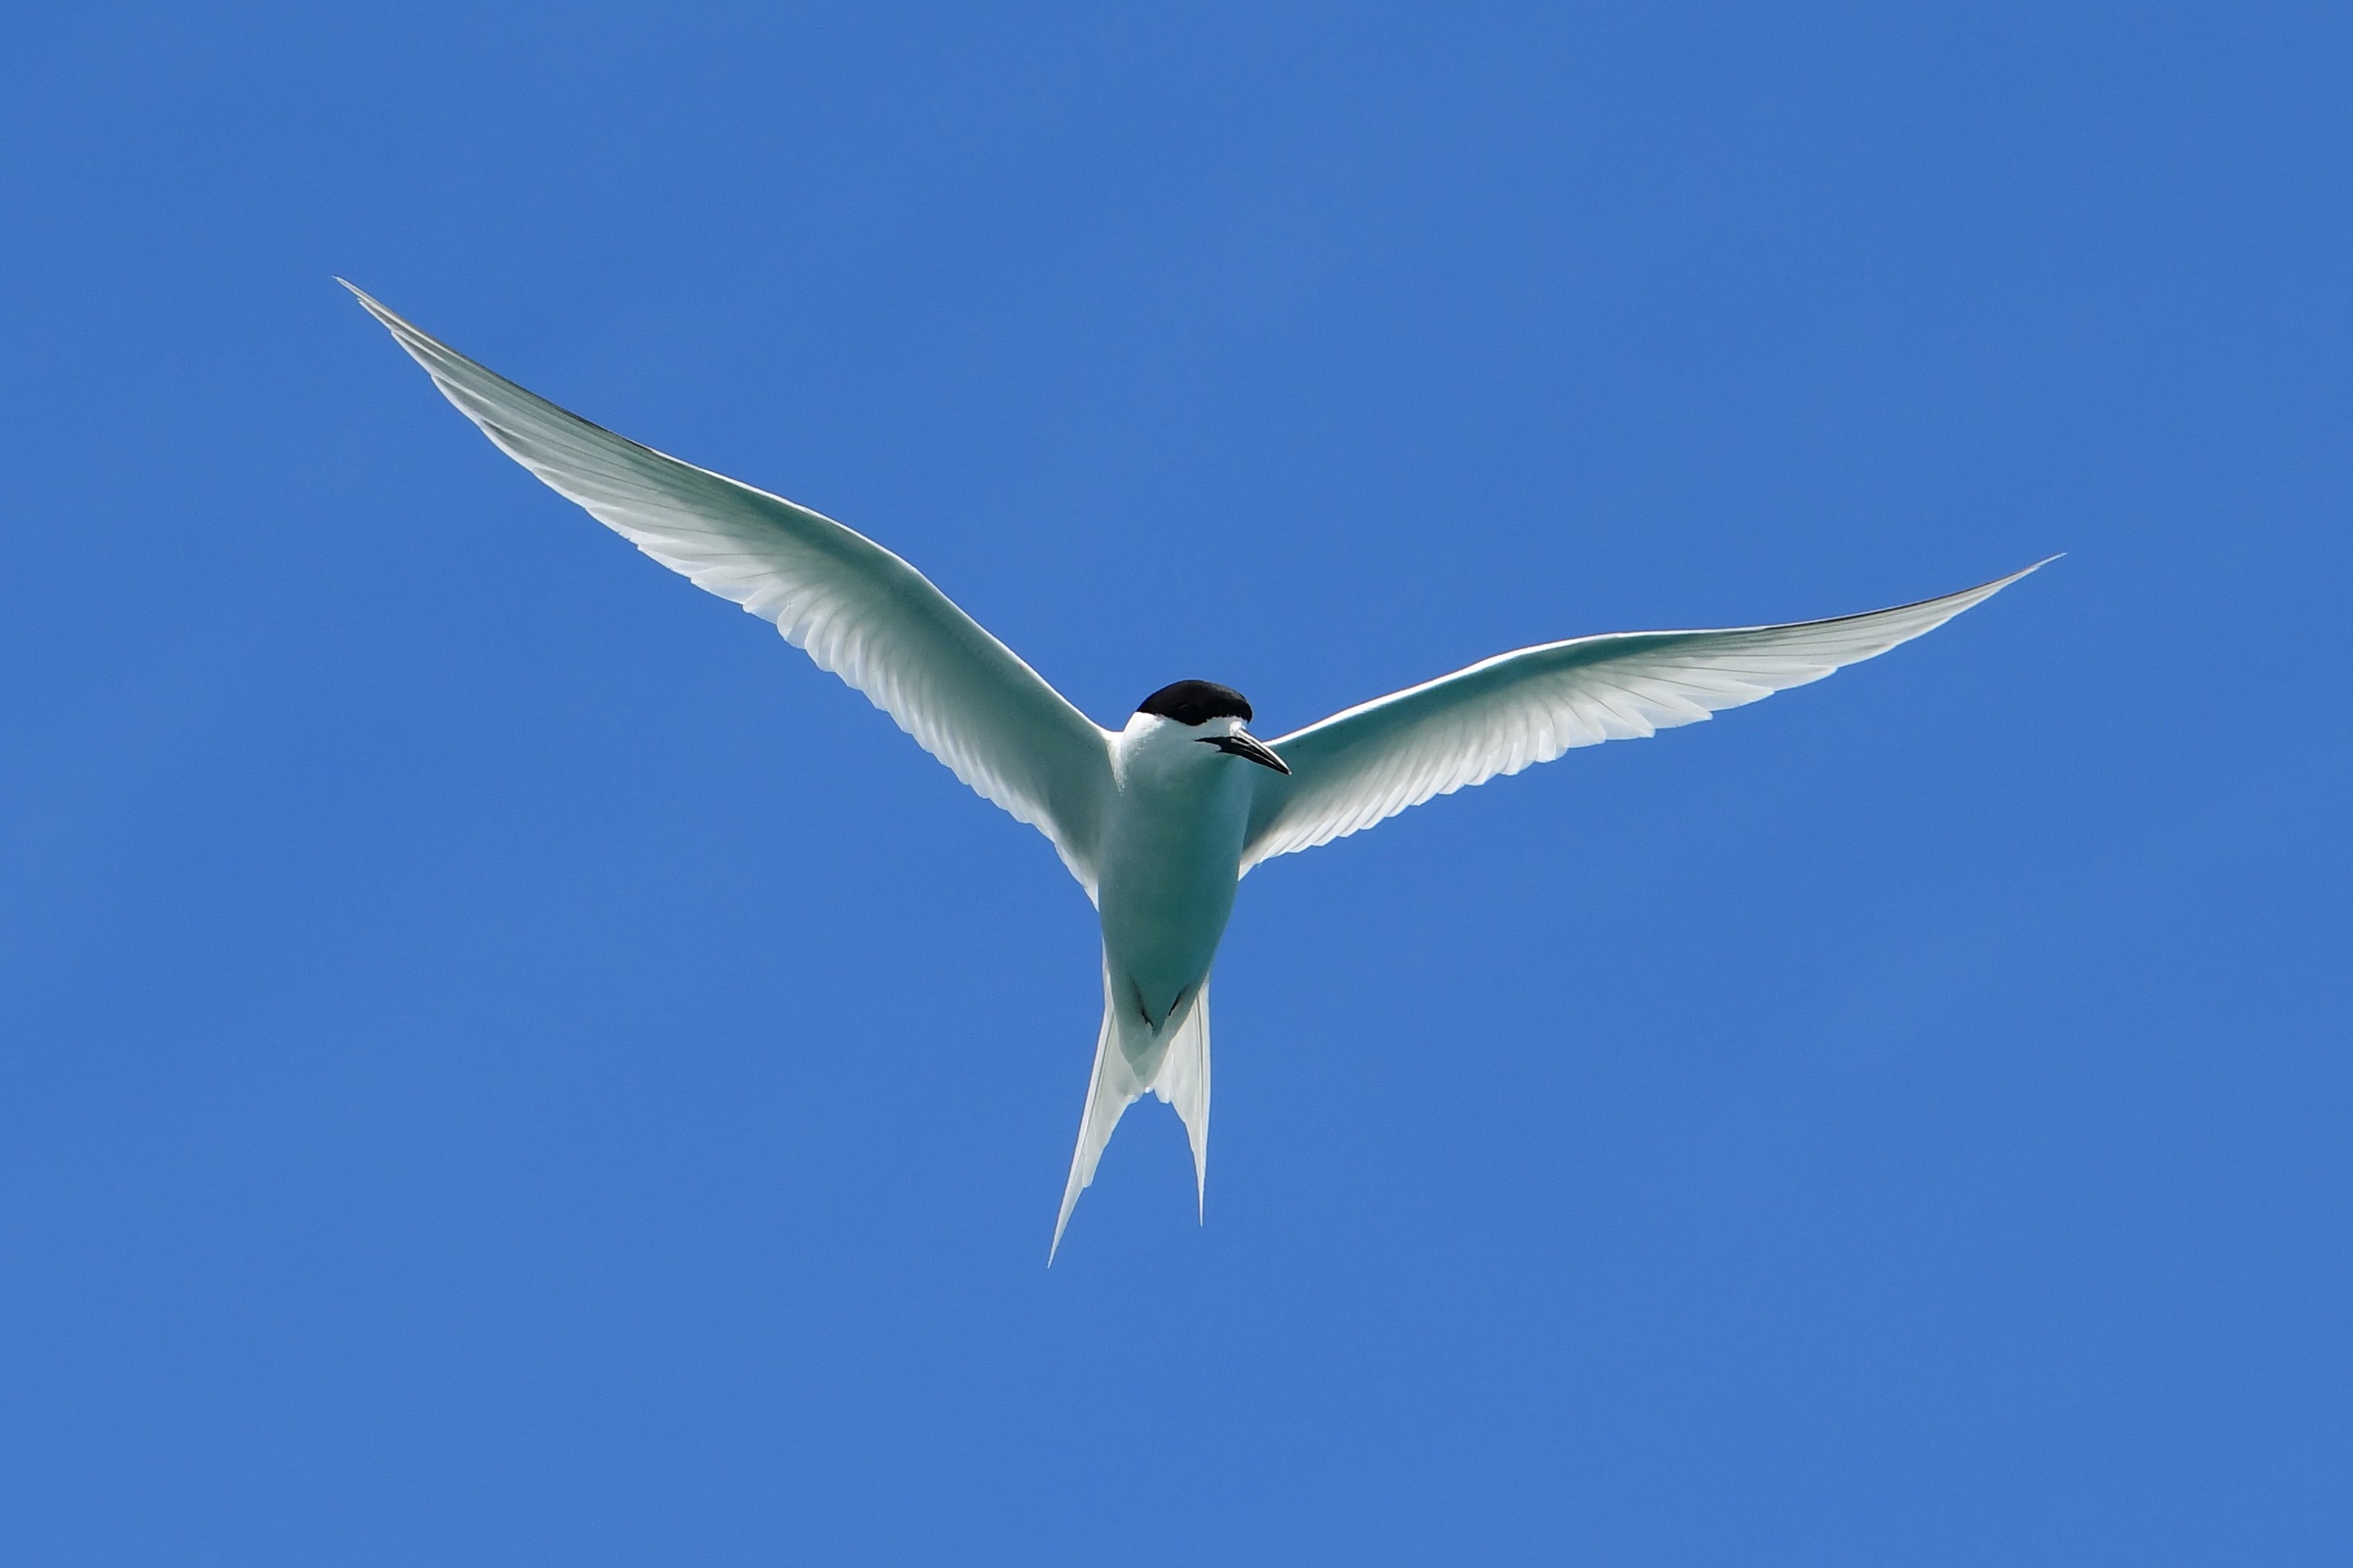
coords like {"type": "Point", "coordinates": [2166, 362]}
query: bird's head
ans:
{"type": "Point", "coordinates": [1218, 713]}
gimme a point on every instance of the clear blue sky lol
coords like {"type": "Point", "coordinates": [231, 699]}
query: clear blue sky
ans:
{"type": "Point", "coordinates": [501, 1061]}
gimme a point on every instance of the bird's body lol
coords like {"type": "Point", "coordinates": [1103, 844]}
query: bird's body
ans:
{"type": "Point", "coordinates": [1172, 858]}
{"type": "Point", "coordinates": [1158, 820]}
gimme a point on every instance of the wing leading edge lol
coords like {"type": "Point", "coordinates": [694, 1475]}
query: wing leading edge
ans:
{"type": "Point", "coordinates": [856, 609]}
{"type": "Point", "coordinates": [1501, 715]}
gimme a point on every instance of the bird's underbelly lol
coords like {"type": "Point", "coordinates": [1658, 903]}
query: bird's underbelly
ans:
{"type": "Point", "coordinates": [1167, 887]}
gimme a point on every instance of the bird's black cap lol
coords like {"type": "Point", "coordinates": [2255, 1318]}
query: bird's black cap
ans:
{"type": "Point", "coordinates": [1197, 701]}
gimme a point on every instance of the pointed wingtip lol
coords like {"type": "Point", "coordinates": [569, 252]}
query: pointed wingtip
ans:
{"type": "Point", "coordinates": [1987, 590]}
{"type": "Point", "coordinates": [376, 308]}
{"type": "Point", "coordinates": [1984, 591]}
{"type": "Point", "coordinates": [1969, 597]}
{"type": "Point", "coordinates": [1999, 583]}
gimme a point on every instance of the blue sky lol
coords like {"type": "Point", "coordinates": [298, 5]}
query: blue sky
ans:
{"type": "Point", "coordinates": [503, 1062]}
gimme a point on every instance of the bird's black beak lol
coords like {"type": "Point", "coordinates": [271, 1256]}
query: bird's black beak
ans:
{"type": "Point", "coordinates": [1243, 744]}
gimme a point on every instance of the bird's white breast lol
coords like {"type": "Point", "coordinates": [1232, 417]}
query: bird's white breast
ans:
{"type": "Point", "coordinates": [1171, 855]}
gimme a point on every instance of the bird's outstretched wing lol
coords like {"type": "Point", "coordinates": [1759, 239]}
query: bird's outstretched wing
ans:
{"type": "Point", "coordinates": [852, 606]}
{"type": "Point", "coordinates": [1507, 713]}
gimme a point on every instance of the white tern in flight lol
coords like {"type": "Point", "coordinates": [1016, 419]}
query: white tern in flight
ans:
{"type": "Point", "coordinates": [1160, 819]}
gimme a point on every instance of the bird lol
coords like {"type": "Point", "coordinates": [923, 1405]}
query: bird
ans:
{"type": "Point", "coordinates": [1159, 819]}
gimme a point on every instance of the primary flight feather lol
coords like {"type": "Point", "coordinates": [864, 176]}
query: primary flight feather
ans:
{"type": "Point", "coordinates": [1159, 819]}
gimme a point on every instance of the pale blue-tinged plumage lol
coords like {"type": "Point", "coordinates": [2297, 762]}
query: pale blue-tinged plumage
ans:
{"type": "Point", "coordinates": [1160, 819]}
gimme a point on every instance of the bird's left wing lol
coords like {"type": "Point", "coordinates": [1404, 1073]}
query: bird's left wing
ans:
{"type": "Point", "coordinates": [852, 606]}
{"type": "Point", "coordinates": [1507, 713]}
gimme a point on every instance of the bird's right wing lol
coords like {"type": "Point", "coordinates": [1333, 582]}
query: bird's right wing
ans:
{"type": "Point", "coordinates": [852, 606]}
{"type": "Point", "coordinates": [1505, 714]}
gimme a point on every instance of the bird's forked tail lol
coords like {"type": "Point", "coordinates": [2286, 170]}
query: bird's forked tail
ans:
{"type": "Point", "coordinates": [1131, 1057]}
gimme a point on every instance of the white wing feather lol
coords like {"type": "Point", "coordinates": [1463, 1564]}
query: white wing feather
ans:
{"type": "Point", "coordinates": [1360, 767]}
{"type": "Point", "coordinates": [852, 606]}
